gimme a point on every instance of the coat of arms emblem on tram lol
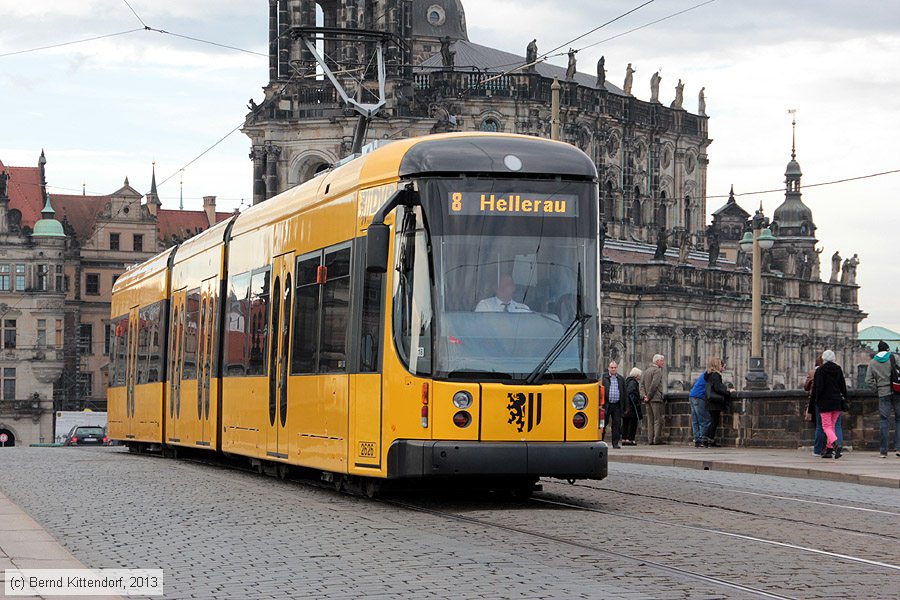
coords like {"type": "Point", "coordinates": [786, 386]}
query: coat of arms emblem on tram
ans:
{"type": "Point", "coordinates": [524, 407]}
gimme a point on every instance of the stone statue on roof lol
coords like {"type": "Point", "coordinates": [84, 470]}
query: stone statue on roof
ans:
{"type": "Point", "coordinates": [701, 102]}
{"type": "Point", "coordinates": [603, 231]}
{"type": "Point", "coordinates": [448, 55]}
{"type": "Point", "coordinates": [712, 243]}
{"type": "Point", "coordinates": [601, 72]}
{"type": "Point", "coordinates": [661, 245]}
{"type": "Point", "coordinates": [679, 95]}
{"type": "Point", "coordinates": [570, 69]}
{"type": "Point", "coordinates": [531, 55]}
{"type": "Point", "coordinates": [854, 262]}
{"type": "Point", "coordinates": [835, 267]}
{"type": "Point", "coordinates": [4, 185]}
{"type": "Point", "coordinates": [654, 87]}
{"type": "Point", "coordinates": [815, 270]}
{"type": "Point", "coordinates": [629, 79]}
{"type": "Point", "coordinates": [685, 248]}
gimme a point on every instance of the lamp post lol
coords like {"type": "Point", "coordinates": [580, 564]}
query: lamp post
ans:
{"type": "Point", "coordinates": [759, 239]}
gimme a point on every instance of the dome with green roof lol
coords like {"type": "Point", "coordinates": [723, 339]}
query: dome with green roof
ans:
{"type": "Point", "coordinates": [48, 226]}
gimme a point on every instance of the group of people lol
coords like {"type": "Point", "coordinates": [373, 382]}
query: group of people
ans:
{"type": "Point", "coordinates": [641, 396]}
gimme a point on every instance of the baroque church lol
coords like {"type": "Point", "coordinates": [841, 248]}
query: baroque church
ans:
{"type": "Point", "coordinates": [671, 284]}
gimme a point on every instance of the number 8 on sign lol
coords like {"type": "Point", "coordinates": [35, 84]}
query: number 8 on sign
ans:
{"type": "Point", "coordinates": [456, 204]}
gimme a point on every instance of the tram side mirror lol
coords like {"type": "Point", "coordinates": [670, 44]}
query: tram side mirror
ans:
{"type": "Point", "coordinates": [377, 241]}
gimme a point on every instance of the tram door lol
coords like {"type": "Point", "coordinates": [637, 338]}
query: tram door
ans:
{"type": "Point", "coordinates": [280, 338]}
{"type": "Point", "coordinates": [205, 359]}
{"type": "Point", "coordinates": [131, 368]}
{"type": "Point", "coordinates": [176, 364]}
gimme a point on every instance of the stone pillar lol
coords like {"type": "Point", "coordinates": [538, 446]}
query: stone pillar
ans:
{"type": "Point", "coordinates": [258, 154]}
{"type": "Point", "coordinates": [272, 152]}
{"type": "Point", "coordinates": [284, 40]}
{"type": "Point", "coordinates": [273, 40]}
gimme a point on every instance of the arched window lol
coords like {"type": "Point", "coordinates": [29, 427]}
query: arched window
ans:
{"type": "Point", "coordinates": [636, 218]}
{"type": "Point", "coordinates": [662, 216]}
{"type": "Point", "coordinates": [609, 202]}
{"type": "Point", "coordinates": [490, 124]}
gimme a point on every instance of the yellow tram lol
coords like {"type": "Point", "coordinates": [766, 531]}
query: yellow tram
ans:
{"type": "Point", "coordinates": [428, 309]}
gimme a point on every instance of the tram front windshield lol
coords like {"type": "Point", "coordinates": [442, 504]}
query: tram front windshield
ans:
{"type": "Point", "coordinates": [493, 274]}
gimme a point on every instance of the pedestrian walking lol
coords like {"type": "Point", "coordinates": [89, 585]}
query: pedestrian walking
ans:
{"type": "Point", "coordinates": [830, 397]}
{"type": "Point", "coordinates": [633, 412]}
{"type": "Point", "coordinates": [717, 397]}
{"type": "Point", "coordinates": [652, 389]}
{"type": "Point", "coordinates": [880, 378]}
{"type": "Point", "coordinates": [699, 414]}
{"type": "Point", "coordinates": [614, 394]}
{"type": "Point", "coordinates": [819, 440]}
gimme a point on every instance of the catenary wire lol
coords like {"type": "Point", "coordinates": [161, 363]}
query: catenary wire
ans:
{"type": "Point", "coordinates": [81, 41]}
{"type": "Point", "coordinates": [135, 13]}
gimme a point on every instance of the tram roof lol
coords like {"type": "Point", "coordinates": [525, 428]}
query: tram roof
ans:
{"type": "Point", "coordinates": [449, 153]}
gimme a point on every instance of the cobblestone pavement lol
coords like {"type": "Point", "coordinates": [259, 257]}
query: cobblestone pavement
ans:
{"type": "Point", "coordinates": [225, 533]}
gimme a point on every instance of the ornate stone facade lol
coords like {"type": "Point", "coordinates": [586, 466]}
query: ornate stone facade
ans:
{"type": "Point", "coordinates": [652, 160]}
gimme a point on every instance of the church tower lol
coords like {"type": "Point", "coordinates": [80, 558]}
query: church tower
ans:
{"type": "Point", "coordinates": [795, 252]}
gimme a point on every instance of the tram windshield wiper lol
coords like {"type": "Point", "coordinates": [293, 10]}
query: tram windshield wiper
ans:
{"type": "Point", "coordinates": [575, 328]}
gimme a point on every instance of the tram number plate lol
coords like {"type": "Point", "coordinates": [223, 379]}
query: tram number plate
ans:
{"type": "Point", "coordinates": [367, 449]}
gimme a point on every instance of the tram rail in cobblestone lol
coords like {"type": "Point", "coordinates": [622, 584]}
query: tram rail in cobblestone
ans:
{"type": "Point", "coordinates": [604, 551]}
{"type": "Point", "coordinates": [740, 536]}
{"type": "Point", "coordinates": [748, 512]}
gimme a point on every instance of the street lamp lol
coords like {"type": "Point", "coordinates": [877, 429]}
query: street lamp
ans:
{"type": "Point", "coordinates": [759, 239]}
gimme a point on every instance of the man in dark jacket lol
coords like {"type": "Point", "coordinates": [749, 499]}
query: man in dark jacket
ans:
{"type": "Point", "coordinates": [878, 379]}
{"type": "Point", "coordinates": [614, 394]}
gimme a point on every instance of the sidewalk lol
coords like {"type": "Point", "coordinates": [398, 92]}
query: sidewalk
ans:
{"type": "Point", "coordinates": [865, 468]}
{"type": "Point", "coordinates": [24, 544]}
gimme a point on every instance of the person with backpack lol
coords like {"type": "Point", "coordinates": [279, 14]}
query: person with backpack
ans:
{"type": "Point", "coordinates": [883, 378]}
{"type": "Point", "coordinates": [699, 415]}
{"type": "Point", "coordinates": [829, 394]}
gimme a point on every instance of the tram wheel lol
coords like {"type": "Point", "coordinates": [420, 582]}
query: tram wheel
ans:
{"type": "Point", "coordinates": [371, 488]}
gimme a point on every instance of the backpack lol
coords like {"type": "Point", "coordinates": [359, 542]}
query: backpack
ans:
{"type": "Point", "coordinates": [895, 375]}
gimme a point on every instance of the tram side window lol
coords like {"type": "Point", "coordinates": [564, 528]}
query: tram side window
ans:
{"type": "Point", "coordinates": [120, 350]}
{"type": "Point", "coordinates": [306, 315]}
{"type": "Point", "coordinates": [370, 323]}
{"type": "Point", "coordinates": [151, 320]}
{"type": "Point", "coordinates": [191, 334]}
{"type": "Point", "coordinates": [335, 311]}
{"type": "Point", "coordinates": [259, 322]}
{"type": "Point", "coordinates": [143, 334]}
{"type": "Point", "coordinates": [236, 318]}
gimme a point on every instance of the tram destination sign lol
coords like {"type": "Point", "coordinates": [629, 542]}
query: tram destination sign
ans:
{"type": "Point", "coordinates": [513, 204]}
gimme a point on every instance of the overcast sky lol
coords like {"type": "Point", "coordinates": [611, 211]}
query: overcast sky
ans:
{"type": "Point", "coordinates": [106, 109]}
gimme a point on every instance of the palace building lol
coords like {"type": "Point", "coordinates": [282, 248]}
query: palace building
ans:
{"type": "Point", "coordinates": [651, 156]}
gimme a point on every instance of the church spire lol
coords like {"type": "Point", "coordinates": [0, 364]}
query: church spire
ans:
{"type": "Point", "coordinates": [153, 202]}
{"type": "Point", "coordinates": [793, 112]}
{"type": "Point", "coordinates": [153, 180]}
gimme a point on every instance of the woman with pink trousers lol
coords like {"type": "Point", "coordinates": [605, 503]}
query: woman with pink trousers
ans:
{"type": "Point", "coordinates": [829, 394]}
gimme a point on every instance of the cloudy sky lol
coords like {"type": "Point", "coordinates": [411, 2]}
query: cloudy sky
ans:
{"type": "Point", "coordinates": [106, 109]}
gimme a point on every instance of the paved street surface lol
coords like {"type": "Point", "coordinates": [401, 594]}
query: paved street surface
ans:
{"type": "Point", "coordinates": [866, 468]}
{"type": "Point", "coordinates": [646, 532]}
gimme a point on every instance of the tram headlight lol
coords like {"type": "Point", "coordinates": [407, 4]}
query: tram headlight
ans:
{"type": "Point", "coordinates": [462, 400]}
{"type": "Point", "coordinates": [579, 401]}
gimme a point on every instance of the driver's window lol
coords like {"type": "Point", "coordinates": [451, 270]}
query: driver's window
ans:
{"type": "Point", "coordinates": [412, 292]}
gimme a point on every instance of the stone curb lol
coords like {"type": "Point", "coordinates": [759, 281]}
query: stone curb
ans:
{"type": "Point", "coordinates": [721, 465]}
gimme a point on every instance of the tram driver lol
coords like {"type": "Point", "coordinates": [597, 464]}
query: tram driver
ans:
{"type": "Point", "coordinates": [502, 301]}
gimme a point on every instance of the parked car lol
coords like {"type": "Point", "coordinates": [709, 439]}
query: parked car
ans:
{"type": "Point", "coordinates": [83, 435]}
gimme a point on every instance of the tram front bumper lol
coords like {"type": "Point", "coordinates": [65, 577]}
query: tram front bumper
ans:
{"type": "Point", "coordinates": [566, 460]}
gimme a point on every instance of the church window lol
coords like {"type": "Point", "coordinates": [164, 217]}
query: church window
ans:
{"type": "Point", "coordinates": [490, 125]}
{"type": "Point", "coordinates": [436, 15]}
